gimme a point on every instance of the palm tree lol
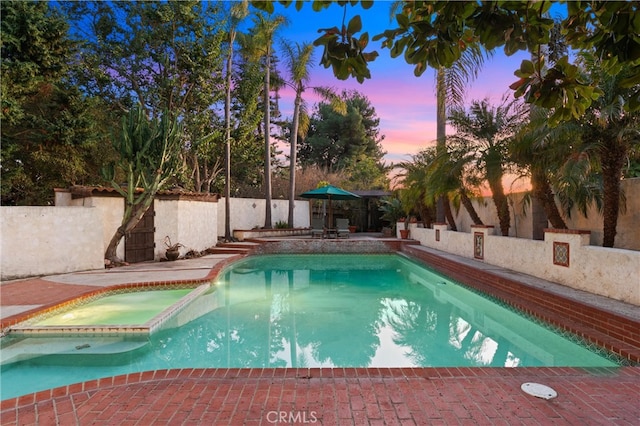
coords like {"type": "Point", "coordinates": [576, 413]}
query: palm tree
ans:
{"type": "Point", "coordinates": [299, 58]}
{"type": "Point", "coordinates": [238, 11]}
{"type": "Point", "coordinates": [429, 175]}
{"type": "Point", "coordinates": [262, 43]}
{"type": "Point", "coordinates": [450, 174]}
{"type": "Point", "coordinates": [414, 180]}
{"type": "Point", "coordinates": [611, 130]}
{"type": "Point", "coordinates": [543, 150]}
{"type": "Point", "coordinates": [485, 133]}
{"type": "Point", "coordinates": [450, 88]}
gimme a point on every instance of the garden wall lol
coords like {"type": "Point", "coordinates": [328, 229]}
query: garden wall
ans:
{"type": "Point", "coordinates": [564, 257]}
{"type": "Point", "coordinates": [73, 235]}
{"type": "Point", "coordinates": [628, 236]}
{"type": "Point", "coordinates": [49, 240]}
{"type": "Point", "coordinates": [249, 213]}
{"type": "Point", "coordinates": [188, 222]}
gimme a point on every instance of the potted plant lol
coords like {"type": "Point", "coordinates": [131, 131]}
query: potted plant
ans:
{"type": "Point", "coordinates": [172, 250]}
{"type": "Point", "coordinates": [392, 211]}
{"type": "Point", "coordinates": [407, 205]}
{"type": "Point", "coordinates": [404, 233]}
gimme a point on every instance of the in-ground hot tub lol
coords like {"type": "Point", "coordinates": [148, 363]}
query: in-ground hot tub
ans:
{"type": "Point", "coordinates": [130, 310]}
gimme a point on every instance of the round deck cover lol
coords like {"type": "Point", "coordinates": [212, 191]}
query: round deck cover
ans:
{"type": "Point", "coordinates": [538, 390]}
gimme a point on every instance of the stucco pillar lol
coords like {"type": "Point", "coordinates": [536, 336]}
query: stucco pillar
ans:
{"type": "Point", "coordinates": [438, 228]}
{"type": "Point", "coordinates": [561, 242]}
{"type": "Point", "coordinates": [480, 233]}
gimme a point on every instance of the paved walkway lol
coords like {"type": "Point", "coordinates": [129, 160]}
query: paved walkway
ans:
{"type": "Point", "coordinates": [428, 396]}
{"type": "Point", "coordinates": [421, 396]}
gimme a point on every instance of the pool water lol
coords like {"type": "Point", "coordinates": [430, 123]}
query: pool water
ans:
{"type": "Point", "coordinates": [321, 311]}
{"type": "Point", "coordinates": [122, 309]}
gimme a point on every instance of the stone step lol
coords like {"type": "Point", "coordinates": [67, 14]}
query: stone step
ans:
{"type": "Point", "coordinates": [227, 250]}
{"type": "Point", "coordinates": [240, 244]}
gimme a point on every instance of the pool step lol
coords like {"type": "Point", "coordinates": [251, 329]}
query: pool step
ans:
{"type": "Point", "coordinates": [239, 247]}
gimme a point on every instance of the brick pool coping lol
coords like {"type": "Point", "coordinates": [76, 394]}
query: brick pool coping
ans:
{"type": "Point", "coordinates": [407, 396]}
{"type": "Point", "coordinates": [616, 333]}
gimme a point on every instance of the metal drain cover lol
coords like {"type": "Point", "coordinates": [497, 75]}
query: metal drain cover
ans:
{"type": "Point", "coordinates": [538, 390]}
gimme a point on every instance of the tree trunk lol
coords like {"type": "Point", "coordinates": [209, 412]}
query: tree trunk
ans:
{"type": "Point", "coordinates": [501, 203]}
{"type": "Point", "coordinates": [227, 148]}
{"type": "Point", "coordinates": [543, 193]}
{"type": "Point", "coordinates": [197, 182]}
{"type": "Point", "coordinates": [441, 135]}
{"type": "Point", "coordinates": [468, 205]}
{"type": "Point", "coordinates": [129, 221]}
{"type": "Point", "coordinates": [110, 252]}
{"type": "Point", "coordinates": [449, 214]}
{"type": "Point", "coordinates": [426, 214]}
{"type": "Point", "coordinates": [267, 145]}
{"type": "Point", "coordinates": [612, 159]}
{"type": "Point", "coordinates": [292, 156]}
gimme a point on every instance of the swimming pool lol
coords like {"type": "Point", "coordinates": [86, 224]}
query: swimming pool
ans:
{"type": "Point", "coordinates": [322, 311]}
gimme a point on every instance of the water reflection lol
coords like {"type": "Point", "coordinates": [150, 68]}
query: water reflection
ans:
{"type": "Point", "coordinates": [389, 313]}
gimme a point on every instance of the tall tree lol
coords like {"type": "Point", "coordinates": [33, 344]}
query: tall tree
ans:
{"type": "Point", "coordinates": [451, 84]}
{"type": "Point", "coordinates": [247, 157]}
{"type": "Point", "coordinates": [237, 11]}
{"type": "Point", "coordinates": [166, 56]}
{"type": "Point", "coordinates": [148, 158]}
{"type": "Point", "coordinates": [485, 131]}
{"type": "Point", "coordinates": [51, 131]}
{"type": "Point", "coordinates": [335, 141]}
{"type": "Point", "coordinates": [263, 35]}
{"type": "Point", "coordinates": [610, 130]}
{"type": "Point", "coordinates": [298, 57]}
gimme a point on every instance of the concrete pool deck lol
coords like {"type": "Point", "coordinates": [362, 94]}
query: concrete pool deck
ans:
{"type": "Point", "coordinates": [354, 396]}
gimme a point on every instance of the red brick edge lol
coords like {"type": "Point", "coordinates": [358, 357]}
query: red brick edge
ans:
{"type": "Point", "coordinates": [271, 374]}
{"type": "Point", "coordinates": [616, 333]}
{"type": "Point", "coordinates": [24, 316]}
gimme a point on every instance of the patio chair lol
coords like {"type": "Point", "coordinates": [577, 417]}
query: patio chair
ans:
{"type": "Point", "coordinates": [342, 228]}
{"type": "Point", "coordinates": [317, 228]}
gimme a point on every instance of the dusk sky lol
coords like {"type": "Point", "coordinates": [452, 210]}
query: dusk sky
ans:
{"type": "Point", "coordinates": [405, 104]}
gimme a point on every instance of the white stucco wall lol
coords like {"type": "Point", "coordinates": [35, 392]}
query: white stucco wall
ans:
{"type": "Point", "coordinates": [111, 210]}
{"type": "Point", "coordinates": [49, 240]}
{"type": "Point", "coordinates": [628, 226]}
{"type": "Point", "coordinates": [249, 213]}
{"type": "Point", "coordinates": [521, 225]}
{"type": "Point", "coordinates": [523, 255]}
{"type": "Point", "coordinates": [458, 243]}
{"type": "Point", "coordinates": [610, 272]}
{"type": "Point", "coordinates": [190, 223]}
{"type": "Point", "coordinates": [628, 236]}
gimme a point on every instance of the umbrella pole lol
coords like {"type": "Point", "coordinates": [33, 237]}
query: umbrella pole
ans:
{"type": "Point", "coordinates": [330, 226]}
{"type": "Point", "coordinates": [324, 212]}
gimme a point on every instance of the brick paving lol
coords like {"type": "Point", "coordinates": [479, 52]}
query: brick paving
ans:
{"type": "Point", "coordinates": [412, 396]}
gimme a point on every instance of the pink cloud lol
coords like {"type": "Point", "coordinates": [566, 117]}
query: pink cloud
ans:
{"type": "Point", "coordinates": [405, 104]}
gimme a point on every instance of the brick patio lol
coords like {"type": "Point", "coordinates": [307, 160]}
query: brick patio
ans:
{"type": "Point", "coordinates": [419, 396]}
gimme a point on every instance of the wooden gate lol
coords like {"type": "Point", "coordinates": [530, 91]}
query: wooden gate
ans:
{"type": "Point", "coordinates": [139, 245]}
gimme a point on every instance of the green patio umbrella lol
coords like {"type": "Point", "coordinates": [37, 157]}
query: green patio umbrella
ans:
{"type": "Point", "coordinates": [330, 193]}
